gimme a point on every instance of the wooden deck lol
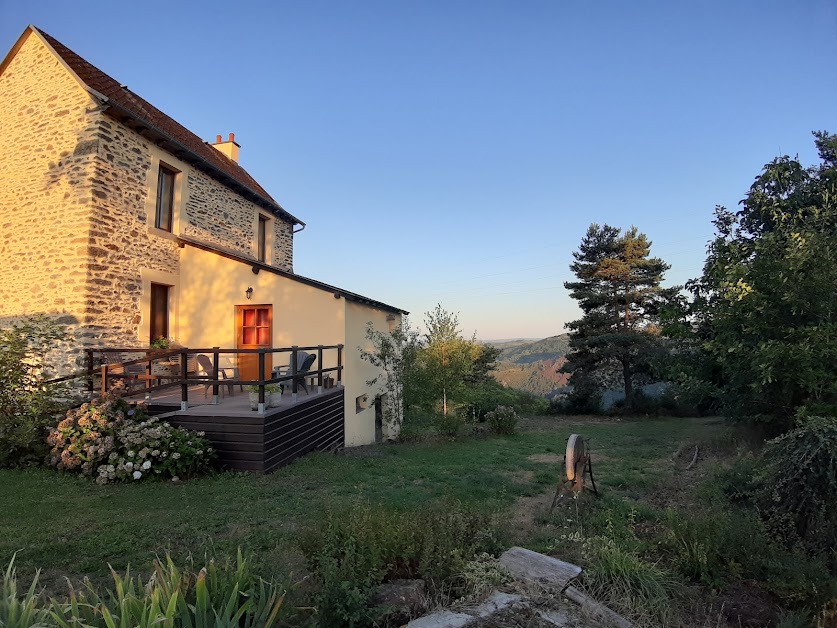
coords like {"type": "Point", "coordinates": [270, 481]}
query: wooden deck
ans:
{"type": "Point", "coordinates": [249, 440]}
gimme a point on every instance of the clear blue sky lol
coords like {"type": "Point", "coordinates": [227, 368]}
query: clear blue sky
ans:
{"type": "Point", "coordinates": [455, 152]}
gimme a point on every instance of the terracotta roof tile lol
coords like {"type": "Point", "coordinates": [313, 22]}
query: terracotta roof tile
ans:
{"type": "Point", "coordinates": [137, 106]}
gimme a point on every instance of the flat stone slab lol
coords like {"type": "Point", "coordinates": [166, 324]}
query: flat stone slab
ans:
{"type": "Point", "coordinates": [534, 568]}
{"type": "Point", "coordinates": [495, 603]}
{"type": "Point", "coordinates": [441, 619]}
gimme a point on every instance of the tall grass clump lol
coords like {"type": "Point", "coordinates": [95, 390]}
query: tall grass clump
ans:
{"type": "Point", "coordinates": [617, 570]}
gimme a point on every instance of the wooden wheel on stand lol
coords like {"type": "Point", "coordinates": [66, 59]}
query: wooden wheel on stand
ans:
{"type": "Point", "coordinates": [577, 465]}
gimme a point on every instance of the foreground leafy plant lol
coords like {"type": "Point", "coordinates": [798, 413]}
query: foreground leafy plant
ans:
{"type": "Point", "coordinates": [219, 595]}
{"type": "Point", "coordinates": [20, 611]}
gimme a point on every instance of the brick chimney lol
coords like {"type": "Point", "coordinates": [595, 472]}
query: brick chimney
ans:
{"type": "Point", "coordinates": [228, 147]}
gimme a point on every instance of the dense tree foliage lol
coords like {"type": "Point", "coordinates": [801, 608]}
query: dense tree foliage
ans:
{"type": "Point", "coordinates": [764, 312]}
{"type": "Point", "coordinates": [619, 292]}
{"type": "Point", "coordinates": [29, 401]}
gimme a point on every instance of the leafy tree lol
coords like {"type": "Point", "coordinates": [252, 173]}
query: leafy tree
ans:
{"type": "Point", "coordinates": [765, 309]}
{"type": "Point", "coordinates": [28, 401]}
{"type": "Point", "coordinates": [446, 359]}
{"type": "Point", "coordinates": [395, 354]}
{"type": "Point", "coordinates": [619, 292]}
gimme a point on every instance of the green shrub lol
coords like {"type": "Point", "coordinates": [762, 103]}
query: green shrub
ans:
{"type": "Point", "coordinates": [447, 425]}
{"type": "Point", "coordinates": [112, 440]}
{"type": "Point", "coordinates": [576, 401]}
{"type": "Point", "coordinates": [503, 420]}
{"type": "Point", "coordinates": [483, 574]}
{"type": "Point", "coordinates": [28, 403]}
{"type": "Point", "coordinates": [353, 550]}
{"type": "Point", "coordinates": [723, 544]}
{"type": "Point", "coordinates": [480, 399]}
{"type": "Point", "coordinates": [798, 485]}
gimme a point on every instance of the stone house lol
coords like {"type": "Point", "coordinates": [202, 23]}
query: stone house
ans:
{"type": "Point", "coordinates": [124, 225]}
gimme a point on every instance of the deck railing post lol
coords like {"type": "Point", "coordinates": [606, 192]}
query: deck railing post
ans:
{"type": "Point", "coordinates": [148, 369]}
{"type": "Point", "coordinates": [339, 365]}
{"type": "Point", "coordinates": [89, 372]}
{"type": "Point", "coordinates": [294, 351]}
{"type": "Point", "coordinates": [184, 386]}
{"type": "Point", "coordinates": [261, 381]}
{"type": "Point", "coordinates": [215, 357]}
{"type": "Point", "coordinates": [320, 369]}
{"type": "Point", "coordinates": [104, 379]}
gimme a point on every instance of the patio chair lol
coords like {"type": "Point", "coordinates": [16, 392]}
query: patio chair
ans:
{"type": "Point", "coordinates": [205, 365]}
{"type": "Point", "coordinates": [130, 374]}
{"type": "Point", "coordinates": [304, 361]}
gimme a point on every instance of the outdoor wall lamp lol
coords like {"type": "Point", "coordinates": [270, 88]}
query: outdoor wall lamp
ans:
{"type": "Point", "coordinates": [249, 293]}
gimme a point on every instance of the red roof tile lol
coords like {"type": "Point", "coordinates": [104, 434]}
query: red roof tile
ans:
{"type": "Point", "coordinates": [143, 110]}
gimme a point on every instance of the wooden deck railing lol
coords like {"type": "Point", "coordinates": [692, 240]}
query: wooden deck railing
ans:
{"type": "Point", "coordinates": [112, 371]}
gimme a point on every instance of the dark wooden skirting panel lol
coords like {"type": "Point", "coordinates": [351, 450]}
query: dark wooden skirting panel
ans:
{"type": "Point", "coordinates": [314, 426]}
{"type": "Point", "coordinates": [257, 443]}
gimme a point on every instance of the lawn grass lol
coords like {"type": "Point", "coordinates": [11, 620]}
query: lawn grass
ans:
{"type": "Point", "coordinates": [662, 544]}
{"type": "Point", "coordinates": [71, 527]}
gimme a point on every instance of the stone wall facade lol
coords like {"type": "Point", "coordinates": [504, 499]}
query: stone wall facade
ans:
{"type": "Point", "coordinates": [45, 190]}
{"type": "Point", "coordinates": [216, 215]}
{"type": "Point", "coordinates": [283, 245]}
{"type": "Point", "coordinates": [75, 233]}
{"type": "Point", "coordinates": [121, 246]}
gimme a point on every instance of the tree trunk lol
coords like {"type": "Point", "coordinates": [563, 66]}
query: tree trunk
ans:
{"type": "Point", "coordinates": [629, 385]}
{"type": "Point", "coordinates": [444, 402]}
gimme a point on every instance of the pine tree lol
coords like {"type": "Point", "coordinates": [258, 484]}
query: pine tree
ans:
{"type": "Point", "coordinates": [619, 292]}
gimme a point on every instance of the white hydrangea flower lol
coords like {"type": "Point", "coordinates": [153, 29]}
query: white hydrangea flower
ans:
{"type": "Point", "coordinates": [175, 479]}
{"type": "Point", "coordinates": [129, 465]}
{"type": "Point", "coordinates": [146, 464]}
{"type": "Point", "coordinates": [137, 475]}
{"type": "Point", "coordinates": [130, 453]}
{"type": "Point", "coordinates": [175, 455]}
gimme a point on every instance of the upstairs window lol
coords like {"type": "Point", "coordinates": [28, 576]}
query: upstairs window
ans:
{"type": "Point", "coordinates": [165, 199]}
{"type": "Point", "coordinates": [261, 239]}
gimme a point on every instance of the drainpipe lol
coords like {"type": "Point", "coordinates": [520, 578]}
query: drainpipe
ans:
{"type": "Point", "coordinates": [300, 229]}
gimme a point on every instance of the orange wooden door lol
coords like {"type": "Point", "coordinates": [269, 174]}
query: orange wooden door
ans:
{"type": "Point", "coordinates": [254, 330]}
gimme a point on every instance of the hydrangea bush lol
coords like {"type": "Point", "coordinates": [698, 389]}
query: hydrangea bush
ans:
{"type": "Point", "coordinates": [113, 441]}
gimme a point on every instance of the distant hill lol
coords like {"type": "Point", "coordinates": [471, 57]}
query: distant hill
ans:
{"type": "Point", "coordinates": [541, 377]}
{"type": "Point", "coordinates": [509, 343]}
{"type": "Point", "coordinates": [550, 348]}
{"type": "Point", "coordinates": [533, 365]}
